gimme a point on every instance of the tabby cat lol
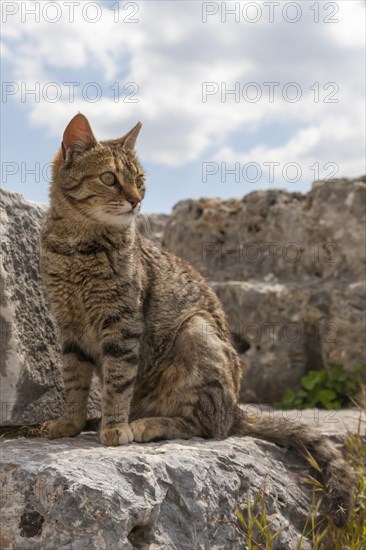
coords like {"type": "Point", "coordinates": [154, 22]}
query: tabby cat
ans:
{"type": "Point", "coordinates": [145, 319]}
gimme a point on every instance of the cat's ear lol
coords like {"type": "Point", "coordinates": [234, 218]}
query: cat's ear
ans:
{"type": "Point", "coordinates": [78, 136]}
{"type": "Point", "coordinates": [128, 141]}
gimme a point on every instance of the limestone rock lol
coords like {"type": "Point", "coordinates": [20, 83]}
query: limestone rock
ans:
{"type": "Point", "coordinates": [273, 233]}
{"type": "Point", "coordinates": [281, 331]}
{"type": "Point", "coordinates": [270, 334]}
{"type": "Point", "coordinates": [75, 493]}
{"type": "Point", "coordinates": [31, 387]}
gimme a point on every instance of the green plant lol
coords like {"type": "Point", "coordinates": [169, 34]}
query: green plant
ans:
{"type": "Point", "coordinates": [325, 389]}
{"type": "Point", "coordinates": [255, 526]}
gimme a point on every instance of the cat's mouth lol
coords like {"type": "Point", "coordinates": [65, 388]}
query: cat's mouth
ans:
{"type": "Point", "coordinates": [121, 209]}
{"type": "Point", "coordinates": [119, 212]}
{"type": "Point", "coordinates": [116, 215]}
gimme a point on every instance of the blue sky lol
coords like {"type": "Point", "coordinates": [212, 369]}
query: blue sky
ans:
{"type": "Point", "coordinates": [181, 57]}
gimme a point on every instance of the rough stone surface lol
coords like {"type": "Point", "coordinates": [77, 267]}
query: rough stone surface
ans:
{"type": "Point", "coordinates": [276, 234]}
{"type": "Point", "coordinates": [76, 494]}
{"type": "Point", "coordinates": [281, 331]}
{"type": "Point", "coordinates": [30, 361]}
{"type": "Point", "coordinates": [31, 388]}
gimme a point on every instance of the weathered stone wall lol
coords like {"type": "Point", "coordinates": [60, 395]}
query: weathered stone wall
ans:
{"type": "Point", "coordinates": [290, 272]}
{"type": "Point", "coordinates": [31, 387]}
{"type": "Point", "coordinates": [275, 235]}
{"type": "Point", "coordinates": [283, 330]}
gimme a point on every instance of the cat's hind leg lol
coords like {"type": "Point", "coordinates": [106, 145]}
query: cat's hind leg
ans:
{"type": "Point", "coordinates": [191, 393]}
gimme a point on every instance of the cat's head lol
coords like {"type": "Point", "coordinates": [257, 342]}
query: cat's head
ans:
{"type": "Point", "coordinates": [100, 181]}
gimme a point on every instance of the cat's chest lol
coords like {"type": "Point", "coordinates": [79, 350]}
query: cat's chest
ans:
{"type": "Point", "coordinates": [82, 287]}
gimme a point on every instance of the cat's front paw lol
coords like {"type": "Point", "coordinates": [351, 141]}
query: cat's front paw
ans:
{"type": "Point", "coordinates": [120, 434]}
{"type": "Point", "coordinates": [62, 427]}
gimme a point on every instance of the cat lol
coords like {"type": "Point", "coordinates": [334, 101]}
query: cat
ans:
{"type": "Point", "coordinates": [144, 319]}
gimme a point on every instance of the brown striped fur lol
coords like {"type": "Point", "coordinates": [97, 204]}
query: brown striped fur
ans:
{"type": "Point", "coordinates": [144, 319]}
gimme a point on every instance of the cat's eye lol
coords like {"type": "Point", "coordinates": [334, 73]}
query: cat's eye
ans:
{"type": "Point", "coordinates": [108, 178]}
{"type": "Point", "coordinates": [139, 181]}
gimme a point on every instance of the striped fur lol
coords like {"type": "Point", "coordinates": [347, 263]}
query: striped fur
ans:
{"type": "Point", "coordinates": [145, 319]}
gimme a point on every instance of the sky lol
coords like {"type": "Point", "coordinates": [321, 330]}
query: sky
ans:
{"type": "Point", "coordinates": [233, 96]}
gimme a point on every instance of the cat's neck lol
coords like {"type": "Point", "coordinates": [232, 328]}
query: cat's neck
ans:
{"type": "Point", "coordinates": [70, 227]}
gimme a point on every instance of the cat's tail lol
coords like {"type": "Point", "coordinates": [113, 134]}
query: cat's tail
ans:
{"type": "Point", "coordinates": [339, 477]}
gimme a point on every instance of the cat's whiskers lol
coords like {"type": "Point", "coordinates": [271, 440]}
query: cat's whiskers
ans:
{"type": "Point", "coordinates": [146, 224]}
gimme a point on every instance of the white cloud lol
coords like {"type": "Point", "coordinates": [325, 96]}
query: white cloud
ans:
{"type": "Point", "coordinates": [170, 52]}
{"type": "Point", "coordinates": [331, 144]}
{"type": "Point", "coordinates": [350, 31]}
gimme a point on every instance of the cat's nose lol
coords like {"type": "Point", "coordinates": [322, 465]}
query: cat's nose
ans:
{"type": "Point", "coordinates": [133, 201]}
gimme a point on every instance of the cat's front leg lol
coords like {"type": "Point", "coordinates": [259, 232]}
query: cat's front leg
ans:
{"type": "Point", "coordinates": [120, 357]}
{"type": "Point", "coordinates": [77, 374]}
